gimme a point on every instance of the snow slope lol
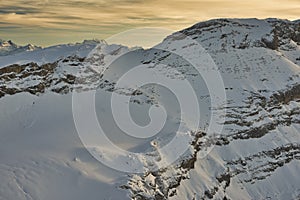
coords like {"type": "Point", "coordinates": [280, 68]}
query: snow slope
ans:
{"type": "Point", "coordinates": [255, 156]}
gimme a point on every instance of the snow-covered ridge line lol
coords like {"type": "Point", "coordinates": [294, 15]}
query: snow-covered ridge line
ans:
{"type": "Point", "coordinates": [10, 48]}
{"type": "Point", "coordinates": [50, 54]}
{"type": "Point", "coordinates": [222, 33]}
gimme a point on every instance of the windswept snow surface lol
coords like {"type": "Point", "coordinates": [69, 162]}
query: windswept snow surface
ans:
{"type": "Point", "coordinates": [256, 156]}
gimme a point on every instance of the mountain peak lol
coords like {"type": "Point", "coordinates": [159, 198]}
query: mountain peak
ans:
{"type": "Point", "coordinates": [94, 41]}
{"type": "Point", "coordinates": [8, 47]}
{"type": "Point", "coordinates": [224, 34]}
{"type": "Point", "coordinates": [8, 43]}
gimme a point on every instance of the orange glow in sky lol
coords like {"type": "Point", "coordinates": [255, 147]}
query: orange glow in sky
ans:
{"type": "Point", "coordinates": [47, 22]}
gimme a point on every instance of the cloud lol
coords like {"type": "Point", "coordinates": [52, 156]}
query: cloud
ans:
{"type": "Point", "coordinates": [106, 17]}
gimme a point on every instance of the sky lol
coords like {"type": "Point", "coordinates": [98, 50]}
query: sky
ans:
{"type": "Point", "coordinates": [49, 22]}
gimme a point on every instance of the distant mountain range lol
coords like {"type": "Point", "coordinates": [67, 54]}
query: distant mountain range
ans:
{"type": "Point", "coordinates": [10, 48]}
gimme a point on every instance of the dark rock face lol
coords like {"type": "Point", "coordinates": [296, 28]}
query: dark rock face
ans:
{"type": "Point", "coordinates": [284, 97]}
{"type": "Point", "coordinates": [283, 154]}
{"type": "Point", "coordinates": [273, 44]}
{"type": "Point", "coordinates": [42, 77]}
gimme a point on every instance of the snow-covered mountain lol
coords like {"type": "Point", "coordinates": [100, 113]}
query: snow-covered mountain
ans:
{"type": "Point", "coordinates": [10, 48]}
{"type": "Point", "coordinates": [255, 156]}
